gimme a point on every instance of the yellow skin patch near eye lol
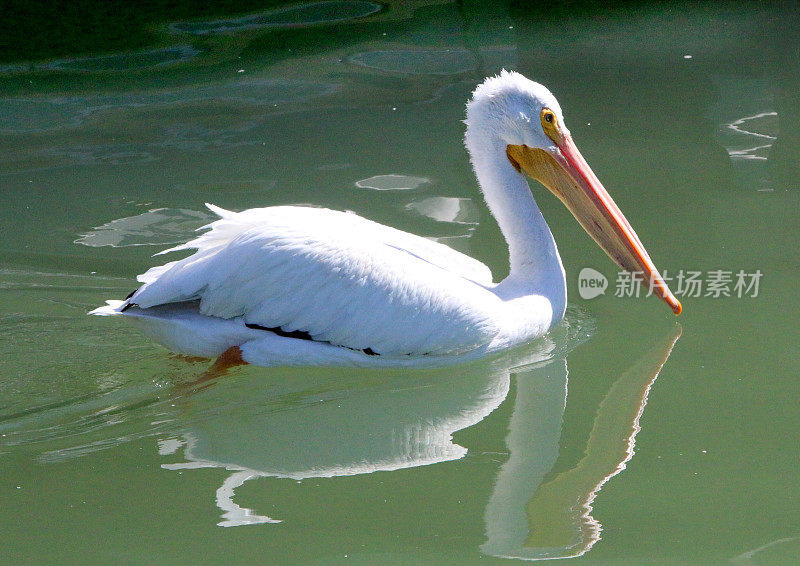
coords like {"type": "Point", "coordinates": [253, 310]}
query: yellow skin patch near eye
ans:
{"type": "Point", "coordinates": [551, 129]}
{"type": "Point", "coordinates": [550, 125]}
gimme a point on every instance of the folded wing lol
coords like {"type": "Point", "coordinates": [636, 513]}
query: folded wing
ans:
{"type": "Point", "coordinates": [339, 277]}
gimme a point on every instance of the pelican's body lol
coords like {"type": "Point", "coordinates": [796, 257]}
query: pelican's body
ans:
{"type": "Point", "coordinates": [299, 285]}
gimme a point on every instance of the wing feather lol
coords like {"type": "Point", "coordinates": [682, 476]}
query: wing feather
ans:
{"type": "Point", "coordinates": [339, 277]}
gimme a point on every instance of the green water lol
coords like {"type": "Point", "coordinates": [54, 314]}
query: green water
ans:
{"type": "Point", "coordinates": [581, 444]}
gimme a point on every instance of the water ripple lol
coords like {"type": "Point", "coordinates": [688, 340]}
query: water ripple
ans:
{"type": "Point", "coordinates": [301, 15]}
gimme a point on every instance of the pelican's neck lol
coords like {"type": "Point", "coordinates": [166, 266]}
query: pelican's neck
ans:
{"type": "Point", "coordinates": [535, 266]}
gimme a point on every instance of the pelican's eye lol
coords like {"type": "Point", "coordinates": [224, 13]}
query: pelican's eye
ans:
{"type": "Point", "coordinates": [550, 124]}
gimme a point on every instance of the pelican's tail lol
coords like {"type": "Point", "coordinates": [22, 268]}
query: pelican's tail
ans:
{"type": "Point", "coordinates": [223, 230]}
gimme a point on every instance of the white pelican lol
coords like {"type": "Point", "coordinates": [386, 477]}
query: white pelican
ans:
{"type": "Point", "coordinates": [294, 285]}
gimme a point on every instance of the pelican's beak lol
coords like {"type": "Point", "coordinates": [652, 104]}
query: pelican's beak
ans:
{"type": "Point", "coordinates": [565, 172]}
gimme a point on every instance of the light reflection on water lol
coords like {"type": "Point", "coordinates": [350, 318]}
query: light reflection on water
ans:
{"type": "Point", "coordinates": [392, 182]}
{"type": "Point", "coordinates": [159, 226]}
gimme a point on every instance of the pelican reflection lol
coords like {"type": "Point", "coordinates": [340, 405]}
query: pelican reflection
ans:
{"type": "Point", "coordinates": [531, 519]}
{"type": "Point", "coordinates": [350, 423]}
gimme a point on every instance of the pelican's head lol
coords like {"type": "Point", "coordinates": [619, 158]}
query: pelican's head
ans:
{"type": "Point", "coordinates": [513, 115]}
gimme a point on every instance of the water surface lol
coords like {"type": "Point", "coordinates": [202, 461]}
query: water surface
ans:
{"type": "Point", "coordinates": [624, 437]}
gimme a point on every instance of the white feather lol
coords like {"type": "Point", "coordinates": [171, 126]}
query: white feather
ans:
{"type": "Point", "coordinates": [312, 269]}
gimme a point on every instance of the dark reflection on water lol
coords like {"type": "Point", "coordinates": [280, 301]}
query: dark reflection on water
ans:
{"type": "Point", "coordinates": [124, 62]}
{"type": "Point", "coordinates": [49, 28]}
{"type": "Point", "coordinates": [298, 15]}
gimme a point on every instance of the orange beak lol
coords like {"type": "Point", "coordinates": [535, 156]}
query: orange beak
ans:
{"type": "Point", "coordinates": [566, 174]}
